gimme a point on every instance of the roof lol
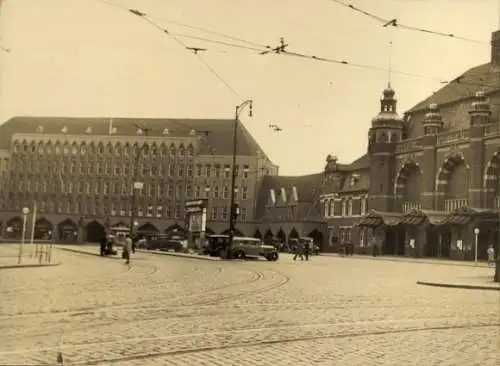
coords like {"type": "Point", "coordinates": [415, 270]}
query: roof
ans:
{"type": "Point", "coordinates": [216, 134]}
{"type": "Point", "coordinates": [464, 87]}
{"type": "Point", "coordinates": [355, 177]}
{"type": "Point", "coordinates": [308, 190]}
{"type": "Point", "coordinates": [455, 98]}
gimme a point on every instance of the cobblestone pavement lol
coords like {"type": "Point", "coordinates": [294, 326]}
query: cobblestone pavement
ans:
{"type": "Point", "coordinates": [172, 311]}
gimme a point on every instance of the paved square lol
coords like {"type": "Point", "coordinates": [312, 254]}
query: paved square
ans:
{"type": "Point", "coordinates": [174, 311]}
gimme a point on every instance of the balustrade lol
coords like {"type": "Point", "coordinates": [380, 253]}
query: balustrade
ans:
{"type": "Point", "coordinates": [409, 145]}
{"type": "Point", "coordinates": [455, 203]}
{"type": "Point", "coordinates": [497, 202]}
{"type": "Point", "coordinates": [491, 129]}
{"type": "Point", "coordinates": [410, 205]}
{"type": "Point", "coordinates": [452, 137]}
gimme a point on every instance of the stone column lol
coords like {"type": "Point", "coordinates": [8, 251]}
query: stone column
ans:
{"type": "Point", "coordinates": [476, 172]}
{"type": "Point", "coordinates": [428, 179]}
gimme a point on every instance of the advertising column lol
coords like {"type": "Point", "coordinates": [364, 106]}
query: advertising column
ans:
{"type": "Point", "coordinates": [196, 217]}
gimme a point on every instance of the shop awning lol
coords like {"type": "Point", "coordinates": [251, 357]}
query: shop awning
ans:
{"type": "Point", "coordinates": [465, 215]}
{"type": "Point", "coordinates": [418, 217]}
{"type": "Point", "coordinates": [457, 220]}
{"type": "Point", "coordinates": [376, 218]}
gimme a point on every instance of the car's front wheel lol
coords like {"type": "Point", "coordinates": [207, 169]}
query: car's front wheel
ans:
{"type": "Point", "coordinates": [239, 254]}
{"type": "Point", "coordinates": [272, 257]}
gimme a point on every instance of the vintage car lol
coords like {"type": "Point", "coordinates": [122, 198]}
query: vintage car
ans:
{"type": "Point", "coordinates": [242, 247]}
{"type": "Point", "coordinates": [165, 243]}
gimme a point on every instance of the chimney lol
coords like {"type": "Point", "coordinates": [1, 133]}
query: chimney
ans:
{"type": "Point", "coordinates": [495, 49]}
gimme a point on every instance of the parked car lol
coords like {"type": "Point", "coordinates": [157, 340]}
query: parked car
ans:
{"type": "Point", "coordinates": [164, 243]}
{"type": "Point", "coordinates": [242, 247]}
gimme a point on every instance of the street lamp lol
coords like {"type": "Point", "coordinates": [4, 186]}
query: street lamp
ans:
{"type": "Point", "coordinates": [476, 239]}
{"type": "Point", "coordinates": [26, 211]}
{"type": "Point", "coordinates": [233, 208]}
{"type": "Point", "coordinates": [136, 184]}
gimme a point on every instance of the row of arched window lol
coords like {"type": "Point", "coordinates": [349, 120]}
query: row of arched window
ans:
{"type": "Point", "coordinates": [123, 209]}
{"type": "Point", "coordinates": [109, 149]}
{"type": "Point", "coordinates": [122, 188]}
{"type": "Point", "coordinates": [104, 167]}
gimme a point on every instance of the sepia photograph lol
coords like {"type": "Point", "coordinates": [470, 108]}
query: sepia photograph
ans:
{"type": "Point", "coordinates": [250, 182]}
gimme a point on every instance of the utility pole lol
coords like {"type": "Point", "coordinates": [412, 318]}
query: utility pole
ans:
{"type": "Point", "coordinates": [233, 209]}
{"type": "Point", "coordinates": [136, 185]}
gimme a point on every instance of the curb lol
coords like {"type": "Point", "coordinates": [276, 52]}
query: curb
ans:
{"type": "Point", "coordinates": [408, 260]}
{"type": "Point", "coordinates": [86, 253]}
{"type": "Point", "coordinates": [467, 287]}
{"type": "Point", "coordinates": [178, 255]}
{"type": "Point", "coordinates": [14, 266]}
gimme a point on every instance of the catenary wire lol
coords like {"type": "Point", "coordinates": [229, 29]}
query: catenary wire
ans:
{"type": "Point", "coordinates": [458, 80]}
{"type": "Point", "coordinates": [208, 40]}
{"type": "Point", "coordinates": [394, 23]}
{"type": "Point", "coordinates": [208, 31]}
{"type": "Point", "coordinates": [177, 40]}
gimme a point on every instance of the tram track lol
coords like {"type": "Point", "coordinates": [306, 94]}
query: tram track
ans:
{"type": "Point", "coordinates": [171, 345]}
{"type": "Point", "coordinates": [110, 284]}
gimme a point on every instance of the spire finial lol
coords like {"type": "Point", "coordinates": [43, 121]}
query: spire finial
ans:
{"type": "Point", "coordinates": [498, 14]}
{"type": "Point", "coordinates": [390, 63]}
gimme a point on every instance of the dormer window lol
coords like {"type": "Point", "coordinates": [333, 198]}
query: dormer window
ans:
{"type": "Point", "coordinates": [354, 179]}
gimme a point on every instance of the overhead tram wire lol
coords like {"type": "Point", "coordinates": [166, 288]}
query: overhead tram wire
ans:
{"type": "Point", "coordinates": [395, 23]}
{"type": "Point", "coordinates": [281, 51]}
{"type": "Point", "coordinates": [144, 17]}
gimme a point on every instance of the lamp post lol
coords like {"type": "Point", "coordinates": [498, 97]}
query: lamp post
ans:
{"type": "Point", "coordinates": [233, 208]}
{"type": "Point", "coordinates": [476, 239]}
{"type": "Point", "coordinates": [26, 211]}
{"type": "Point", "coordinates": [136, 185]}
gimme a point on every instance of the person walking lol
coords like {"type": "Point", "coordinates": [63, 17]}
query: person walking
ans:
{"type": "Point", "coordinates": [103, 242]}
{"type": "Point", "coordinates": [127, 248]}
{"type": "Point", "coordinates": [299, 251]}
{"type": "Point", "coordinates": [307, 249]}
{"type": "Point", "coordinates": [491, 255]}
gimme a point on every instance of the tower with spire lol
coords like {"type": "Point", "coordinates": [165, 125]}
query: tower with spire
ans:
{"type": "Point", "coordinates": [385, 132]}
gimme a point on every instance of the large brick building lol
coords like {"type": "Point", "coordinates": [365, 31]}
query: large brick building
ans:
{"type": "Point", "coordinates": [430, 177]}
{"type": "Point", "coordinates": [80, 173]}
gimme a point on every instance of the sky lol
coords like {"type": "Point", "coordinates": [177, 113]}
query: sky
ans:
{"type": "Point", "coordinates": [87, 58]}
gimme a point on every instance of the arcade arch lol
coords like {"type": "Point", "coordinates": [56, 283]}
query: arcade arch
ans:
{"type": "Point", "coordinates": [407, 185]}
{"type": "Point", "coordinates": [452, 183]}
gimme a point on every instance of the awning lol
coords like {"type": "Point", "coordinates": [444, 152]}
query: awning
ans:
{"type": "Point", "coordinates": [465, 215]}
{"type": "Point", "coordinates": [412, 220]}
{"type": "Point", "coordinates": [375, 219]}
{"type": "Point", "coordinates": [457, 220]}
{"type": "Point", "coordinates": [418, 217]}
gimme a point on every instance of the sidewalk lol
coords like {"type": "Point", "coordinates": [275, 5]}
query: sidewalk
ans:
{"type": "Point", "coordinates": [471, 283]}
{"type": "Point", "coordinates": [92, 249]}
{"type": "Point", "coordinates": [446, 262]}
{"type": "Point", "coordinates": [9, 258]}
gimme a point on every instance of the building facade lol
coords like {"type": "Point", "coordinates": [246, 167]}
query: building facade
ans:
{"type": "Point", "coordinates": [288, 207]}
{"type": "Point", "coordinates": [433, 173]}
{"type": "Point", "coordinates": [80, 173]}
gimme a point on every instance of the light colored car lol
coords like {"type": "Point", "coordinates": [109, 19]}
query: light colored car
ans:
{"type": "Point", "coordinates": [244, 247]}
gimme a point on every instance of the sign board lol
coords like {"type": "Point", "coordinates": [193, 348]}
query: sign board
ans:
{"type": "Point", "coordinates": [196, 214]}
{"type": "Point", "coordinates": [195, 221]}
{"type": "Point", "coordinates": [195, 205]}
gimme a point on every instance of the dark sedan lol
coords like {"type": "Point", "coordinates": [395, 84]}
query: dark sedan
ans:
{"type": "Point", "coordinates": [164, 243]}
